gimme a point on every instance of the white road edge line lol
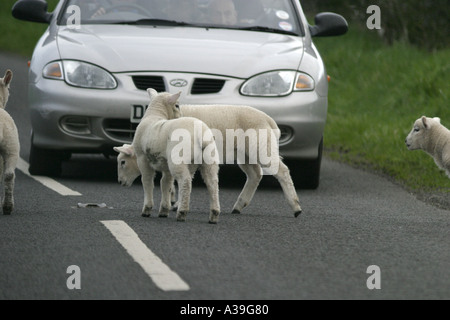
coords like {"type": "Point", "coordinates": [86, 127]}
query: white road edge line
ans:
{"type": "Point", "coordinates": [23, 166]}
{"type": "Point", "coordinates": [160, 273]}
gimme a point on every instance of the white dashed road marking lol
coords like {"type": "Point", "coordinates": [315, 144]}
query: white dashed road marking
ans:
{"type": "Point", "coordinates": [23, 166]}
{"type": "Point", "coordinates": [160, 273]}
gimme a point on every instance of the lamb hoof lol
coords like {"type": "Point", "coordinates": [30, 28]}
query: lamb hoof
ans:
{"type": "Point", "coordinates": [181, 216]}
{"type": "Point", "coordinates": [297, 213]}
{"type": "Point", "coordinates": [214, 217]}
{"type": "Point", "coordinates": [163, 213]}
{"type": "Point", "coordinates": [146, 211]}
{"type": "Point", "coordinates": [236, 211]}
{"type": "Point", "coordinates": [7, 210]}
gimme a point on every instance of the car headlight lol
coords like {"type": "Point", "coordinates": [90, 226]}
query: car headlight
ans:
{"type": "Point", "coordinates": [80, 74]}
{"type": "Point", "coordinates": [277, 83]}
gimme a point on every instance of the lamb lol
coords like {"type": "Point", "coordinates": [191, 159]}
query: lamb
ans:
{"type": "Point", "coordinates": [9, 146]}
{"type": "Point", "coordinates": [429, 135]}
{"type": "Point", "coordinates": [154, 148]}
{"type": "Point", "coordinates": [225, 118]}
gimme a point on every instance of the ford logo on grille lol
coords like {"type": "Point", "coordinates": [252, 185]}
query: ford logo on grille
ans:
{"type": "Point", "coordinates": [178, 83]}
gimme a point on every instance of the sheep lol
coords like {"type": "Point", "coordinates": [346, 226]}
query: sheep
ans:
{"type": "Point", "coordinates": [429, 135]}
{"type": "Point", "coordinates": [9, 146]}
{"type": "Point", "coordinates": [155, 148]}
{"type": "Point", "coordinates": [224, 118]}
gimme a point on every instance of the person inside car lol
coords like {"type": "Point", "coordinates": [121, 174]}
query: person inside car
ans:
{"type": "Point", "coordinates": [249, 12]}
{"type": "Point", "coordinates": [222, 12]}
{"type": "Point", "coordinates": [183, 10]}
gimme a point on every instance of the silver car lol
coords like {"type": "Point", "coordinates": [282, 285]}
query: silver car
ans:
{"type": "Point", "coordinates": [90, 70]}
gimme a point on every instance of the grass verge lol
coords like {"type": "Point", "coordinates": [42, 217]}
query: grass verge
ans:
{"type": "Point", "coordinates": [376, 94]}
{"type": "Point", "coordinates": [18, 36]}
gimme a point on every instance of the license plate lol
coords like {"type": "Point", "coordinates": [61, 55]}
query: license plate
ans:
{"type": "Point", "coordinates": [137, 113]}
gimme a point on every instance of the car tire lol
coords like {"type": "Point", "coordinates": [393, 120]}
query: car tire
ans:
{"type": "Point", "coordinates": [44, 162]}
{"type": "Point", "coordinates": [306, 173]}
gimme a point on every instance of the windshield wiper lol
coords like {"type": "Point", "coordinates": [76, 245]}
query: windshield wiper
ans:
{"type": "Point", "coordinates": [267, 29]}
{"type": "Point", "coordinates": [174, 23]}
{"type": "Point", "coordinates": [155, 22]}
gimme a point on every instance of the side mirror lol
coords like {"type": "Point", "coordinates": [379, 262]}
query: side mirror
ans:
{"type": "Point", "coordinates": [328, 24]}
{"type": "Point", "coordinates": [32, 10]}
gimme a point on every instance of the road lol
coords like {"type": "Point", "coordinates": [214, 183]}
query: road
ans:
{"type": "Point", "coordinates": [52, 249]}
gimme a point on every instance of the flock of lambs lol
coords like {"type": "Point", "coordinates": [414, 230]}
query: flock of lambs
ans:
{"type": "Point", "coordinates": [153, 149]}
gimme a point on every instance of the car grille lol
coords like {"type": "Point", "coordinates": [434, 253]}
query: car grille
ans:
{"type": "Point", "coordinates": [205, 86]}
{"type": "Point", "coordinates": [145, 82]}
{"type": "Point", "coordinates": [120, 129]}
{"type": "Point", "coordinates": [200, 85]}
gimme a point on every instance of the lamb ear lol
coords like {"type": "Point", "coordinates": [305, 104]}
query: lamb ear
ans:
{"type": "Point", "coordinates": [126, 149]}
{"type": "Point", "coordinates": [425, 123]}
{"type": "Point", "coordinates": [152, 92]}
{"type": "Point", "coordinates": [8, 77]}
{"type": "Point", "coordinates": [174, 98]}
{"type": "Point", "coordinates": [438, 120]}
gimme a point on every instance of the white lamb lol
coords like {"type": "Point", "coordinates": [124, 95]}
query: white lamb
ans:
{"type": "Point", "coordinates": [229, 118]}
{"type": "Point", "coordinates": [243, 119]}
{"type": "Point", "coordinates": [9, 146]}
{"type": "Point", "coordinates": [429, 135]}
{"type": "Point", "coordinates": [153, 148]}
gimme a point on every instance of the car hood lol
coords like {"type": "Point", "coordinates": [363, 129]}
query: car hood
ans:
{"type": "Point", "coordinates": [127, 48]}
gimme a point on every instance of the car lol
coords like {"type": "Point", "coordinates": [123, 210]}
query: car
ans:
{"type": "Point", "coordinates": [90, 70]}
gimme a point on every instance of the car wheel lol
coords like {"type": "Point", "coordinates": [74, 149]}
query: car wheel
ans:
{"type": "Point", "coordinates": [44, 162]}
{"type": "Point", "coordinates": [306, 173]}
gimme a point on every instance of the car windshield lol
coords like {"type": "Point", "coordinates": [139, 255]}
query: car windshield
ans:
{"type": "Point", "coordinates": [258, 15]}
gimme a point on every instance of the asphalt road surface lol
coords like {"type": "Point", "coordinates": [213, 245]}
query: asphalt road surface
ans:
{"type": "Point", "coordinates": [360, 237]}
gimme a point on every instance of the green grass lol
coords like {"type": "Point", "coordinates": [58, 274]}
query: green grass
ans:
{"type": "Point", "coordinates": [19, 36]}
{"type": "Point", "coordinates": [376, 94]}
